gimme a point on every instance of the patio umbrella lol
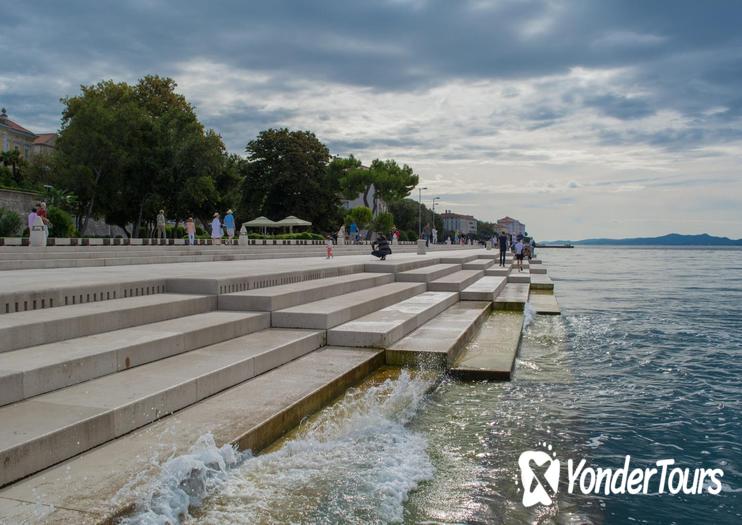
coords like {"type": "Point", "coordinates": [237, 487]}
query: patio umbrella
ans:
{"type": "Point", "coordinates": [261, 222]}
{"type": "Point", "coordinates": [292, 221]}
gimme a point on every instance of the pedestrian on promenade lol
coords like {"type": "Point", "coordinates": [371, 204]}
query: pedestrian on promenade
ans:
{"type": "Point", "coordinates": [381, 248]}
{"type": "Point", "coordinates": [434, 233]}
{"type": "Point", "coordinates": [32, 219]}
{"type": "Point", "coordinates": [426, 234]}
{"type": "Point", "coordinates": [216, 229]}
{"type": "Point", "coordinates": [42, 212]}
{"type": "Point", "coordinates": [161, 224]}
{"type": "Point", "coordinates": [519, 254]}
{"type": "Point", "coordinates": [353, 230]}
{"type": "Point", "coordinates": [502, 244]}
{"type": "Point", "coordinates": [229, 226]}
{"type": "Point", "coordinates": [190, 227]}
{"type": "Point", "coordinates": [329, 247]}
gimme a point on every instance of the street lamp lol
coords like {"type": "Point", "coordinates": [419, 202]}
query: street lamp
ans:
{"type": "Point", "coordinates": [420, 211]}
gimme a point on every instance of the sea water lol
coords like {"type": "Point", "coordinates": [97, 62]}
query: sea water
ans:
{"type": "Point", "coordinates": [646, 361]}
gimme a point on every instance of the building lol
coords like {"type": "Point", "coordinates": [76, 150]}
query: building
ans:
{"type": "Point", "coordinates": [13, 136]}
{"type": "Point", "coordinates": [381, 206]}
{"type": "Point", "coordinates": [511, 226]}
{"type": "Point", "coordinates": [455, 222]}
{"type": "Point", "coordinates": [44, 144]}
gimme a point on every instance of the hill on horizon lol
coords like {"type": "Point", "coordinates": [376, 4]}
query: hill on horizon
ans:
{"type": "Point", "coordinates": [672, 239]}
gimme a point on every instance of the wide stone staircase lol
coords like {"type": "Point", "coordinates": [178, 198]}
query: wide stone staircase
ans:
{"type": "Point", "coordinates": [76, 376]}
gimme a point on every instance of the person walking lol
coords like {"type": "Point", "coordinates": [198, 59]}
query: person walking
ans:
{"type": "Point", "coordinates": [502, 244]}
{"type": "Point", "coordinates": [229, 226]}
{"type": "Point", "coordinates": [381, 248]}
{"type": "Point", "coordinates": [32, 219]}
{"type": "Point", "coordinates": [216, 229]}
{"type": "Point", "coordinates": [190, 227]}
{"type": "Point", "coordinates": [161, 224]}
{"type": "Point", "coordinates": [519, 254]}
{"type": "Point", "coordinates": [434, 233]}
{"type": "Point", "coordinates": [426, 234]}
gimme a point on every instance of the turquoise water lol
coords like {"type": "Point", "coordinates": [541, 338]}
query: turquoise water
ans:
{"type": "Point", "coordinates": [646, 360]}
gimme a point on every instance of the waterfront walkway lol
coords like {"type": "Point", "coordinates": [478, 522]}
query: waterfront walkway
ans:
{"type": "Point", "coordinates": [106, 372]}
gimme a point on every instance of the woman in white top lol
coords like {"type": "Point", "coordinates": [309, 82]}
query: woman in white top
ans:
{"type": "Point", "coordinates": [216, 228]}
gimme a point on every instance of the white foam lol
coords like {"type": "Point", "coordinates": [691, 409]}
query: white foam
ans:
{"type": "Point", "coordinates": [356, 462]}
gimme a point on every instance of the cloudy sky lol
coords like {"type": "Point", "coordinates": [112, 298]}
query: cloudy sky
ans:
{"type": "Point", "coordinates": [581, 118]}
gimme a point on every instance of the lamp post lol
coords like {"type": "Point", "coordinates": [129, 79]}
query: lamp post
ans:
{"type": "Point", "coordinates": [432, 208]}
{"type": "Point", "coordinates": [420, 211]}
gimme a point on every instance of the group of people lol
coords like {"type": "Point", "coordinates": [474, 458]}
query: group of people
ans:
{"type": "Point", "coordinates": [523, 247]}
{"type": "Point", "coordinates": [218, 227]}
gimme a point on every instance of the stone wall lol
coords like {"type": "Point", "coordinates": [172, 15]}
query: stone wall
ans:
{"type": "Point", "coordinates": [20, 202]}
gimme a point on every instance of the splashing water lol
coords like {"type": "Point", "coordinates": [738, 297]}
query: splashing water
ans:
{"type": "Point", "coordinates": [356, 462]}
{"type": "Point", "coordinates": [183, 482]}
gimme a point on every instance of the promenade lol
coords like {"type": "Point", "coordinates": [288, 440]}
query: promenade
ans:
{"type": "Point", "coordinates": [106, 372]}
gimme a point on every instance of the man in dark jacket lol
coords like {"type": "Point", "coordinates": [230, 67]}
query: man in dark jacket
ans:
{"type": "Point", "coordinates": [381, 248]}
{"type": "Point", "coordinates": [502, 243]}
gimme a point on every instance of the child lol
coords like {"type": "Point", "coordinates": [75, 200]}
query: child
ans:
{"type": "Point", "coordinates": [191, 230]}
{"type": "Point", "coordinates": [328, 245]}
{"type": "Point", "coordinates": [519, 254]}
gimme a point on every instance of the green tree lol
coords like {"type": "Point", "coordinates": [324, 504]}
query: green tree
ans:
{"type": "Point", "coordinates": [361, 215]}
{"type": "Point", "coordinates": [383, 223]}
{"type": "Point", "coordinates": [390, 181]}
{"type": "Point", "coordinates": [285, 173]}
{"type": "Point", "coordinates": [10, 223]}
{"type": "Point", "coordinates": [127, 151]}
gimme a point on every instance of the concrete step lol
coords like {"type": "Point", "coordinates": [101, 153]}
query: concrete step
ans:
{"type": "Point", "coordinates": [392, 266]}
{"type": "Point", "coordinates": [519, 277]}
{"type": "Point", "coordinates": [38, 327]}
{"type": "Point", "coordinates": [44, 430]}
{"type": "Point", "coordinates": [383, 327]}
{"type": "Point", "coordinates": [39, 369]}
{"type": "Point", "coordinates": [541, 281]}
{"type": "Point", "coordinates": [87, 489]}
{"type": "Point", "coordinates": [437, 343]}
{"type": "Point", "coordinates": [478, 264]}
{"type": "Point", "coordinates": [331, 312]}
{"type": "Point", "coordinates": [497, 271]}
{"type": "Point", "coordinates": [428, 273]}
{"type": "Point", "coordinates": [288, 295]}
{"type": "Point", "coordinates": [485, 289]}
{"type": "Point", "coordinates": [513, 297]}
{"type": "Point", "coordinates": [459, 258]}
{"type": "Point", "coordinates": [455, 282]}
{"type": "Point", "coordinates": [544, 303]}
{"type": "Point", "coordinates": [538, 268]}
{"type": "Point", "coordinates": [491, 355]}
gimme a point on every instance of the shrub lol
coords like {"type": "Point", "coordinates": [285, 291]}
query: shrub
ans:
{"type": "Point", "coordinates": [62, 224]}
{"type": "Point", "coordinates": [10, 223]}
{"type": "Point", "coordinates": [411, 235]}
{"type": "Point", "coordinates": [180, 232]}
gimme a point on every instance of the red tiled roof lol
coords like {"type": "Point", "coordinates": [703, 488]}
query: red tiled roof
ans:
{"type": "Point", "coordinates": [45, 138]}
{"type": "Point", "coordinates": [15, 126]}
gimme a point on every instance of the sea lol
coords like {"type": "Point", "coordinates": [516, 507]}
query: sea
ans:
{"type": "Point", "coordinates": [645, 361]}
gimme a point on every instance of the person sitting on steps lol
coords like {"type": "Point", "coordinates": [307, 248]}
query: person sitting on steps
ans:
{"type": "Point", "coordinates": [381, 248]}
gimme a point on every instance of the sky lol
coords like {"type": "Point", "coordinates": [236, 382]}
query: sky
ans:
{"type": "Point", "coordinates": [580, 118]}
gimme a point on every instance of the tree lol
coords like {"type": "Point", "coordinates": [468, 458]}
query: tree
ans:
{"type": "Point", "coordinates": [286, 174]}
{"type": "Point", "coordinates": [391, 182]}
{"type": "Point", "coordinates": [12, 158]}
{"type": "Point", "coordinates": [361, 215]}
{"type": "Point", "coordinates": [383, 222]}
{"type": "Point", "coordinates": [127, 151]}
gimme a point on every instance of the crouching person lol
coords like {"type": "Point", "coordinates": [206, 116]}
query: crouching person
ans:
{"type": "Point", "coordinates": [381, 248]}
